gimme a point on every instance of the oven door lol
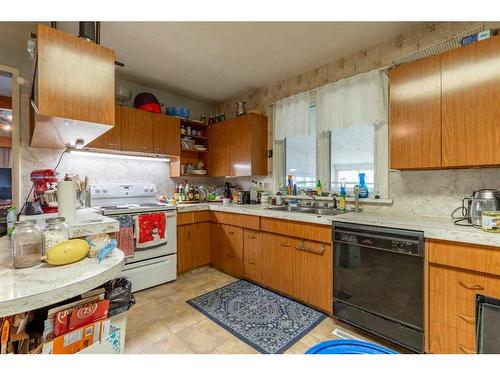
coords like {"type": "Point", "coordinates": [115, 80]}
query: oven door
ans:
{"type": "Point", "coordinates": [385, 283]}
{"type": "Point", "coordinates": [167, 247]}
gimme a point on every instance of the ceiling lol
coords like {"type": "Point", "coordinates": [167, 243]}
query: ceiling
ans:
{"type": "Point", "coordinates": [216, 61]}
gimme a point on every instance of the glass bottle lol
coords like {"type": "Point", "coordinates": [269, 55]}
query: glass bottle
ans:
{"type": "Point", "coordinates": [26, 244]}
{"type": "Point", "coordinates": [363, 189]}
{"type": "Point", "coordinates": [55, 232]}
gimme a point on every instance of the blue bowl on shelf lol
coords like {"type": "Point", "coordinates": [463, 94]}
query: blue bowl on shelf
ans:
{"type": "Point", "coordinates": [178, 112]}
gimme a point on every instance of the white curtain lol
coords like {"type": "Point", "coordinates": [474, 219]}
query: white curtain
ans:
{"type": "Point", "coordinates": [278, 164]}
{"type": "Point", "coordinates": [323, 166]}
{"type": "Point", "coordinates": [355, 101]}
{"type": "Point", "coordinates": [292, 116]}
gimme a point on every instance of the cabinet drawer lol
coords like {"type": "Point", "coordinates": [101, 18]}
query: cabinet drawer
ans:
{"type": "Point", "coordinates": [314, 232]}
{"type": "Point", "coordinates": [245, 221]}
{"type": "Point", "coordinates": [201, 216]}
{"type": "Point", "coordinates": [462, 284]}
{"type": "Point", "coordinates": [252, 255]}
{"type": "Point", "coordinates": [471, 257]}
{"type": "Point", "coordinates": [448, 340]}
{"type": "Point", "coordinates": [454, 312]}
{"type": "Point", "coordinates": [184, 218]}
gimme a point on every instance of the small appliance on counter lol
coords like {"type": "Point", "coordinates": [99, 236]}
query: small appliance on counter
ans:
{"type": "Point", "coordinates": [243, 197]}
{"type": "Point", "coordinates": [473, 207]}
{"type": "Point", "coordinates": [45, 189]}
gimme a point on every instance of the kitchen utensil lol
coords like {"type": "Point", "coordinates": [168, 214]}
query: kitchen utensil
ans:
{"type": "Point", "coordinates": [33, 208]}
{"type": "Point", "coordinates": [144, 98]}
{"type": "Point", "coordinates": [150, 107]}
{"type": "Point", "coordinates": [44, 189]}
{"type": "Point", "coordinates": [241, 108]}
{"type": "Point", "coordinates": [481, 200]}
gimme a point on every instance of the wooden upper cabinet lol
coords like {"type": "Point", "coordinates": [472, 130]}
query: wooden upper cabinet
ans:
{"type": "Point", "coordinates": [220, 142]}
{"type": "Point", "coordinates": [73, 94]}
{"type": "Point", "coordinates": [248, 153]}
{"type": "Point", "coordinates": [238, 147]}
{"type": "Point", "coordinates": [471, 104]}
{"type": "Point", "coordinates": [137, 130]}
{"type": "Point", "coordinates": [112, 139]}
{"type": "Point", "coordinates": [166, 134]}
{"type": "Point", "coordinates": [415, 114]}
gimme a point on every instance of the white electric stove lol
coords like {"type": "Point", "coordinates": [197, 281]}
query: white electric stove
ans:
{"type": "Point", "coordinates": [151, 263]}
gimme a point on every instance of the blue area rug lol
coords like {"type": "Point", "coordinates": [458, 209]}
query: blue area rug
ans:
{"type": "Point", "coordinates": [264, 320]}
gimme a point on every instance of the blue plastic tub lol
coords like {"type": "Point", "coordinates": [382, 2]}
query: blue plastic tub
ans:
{"type": "Point", "coordinates": [348, 347]}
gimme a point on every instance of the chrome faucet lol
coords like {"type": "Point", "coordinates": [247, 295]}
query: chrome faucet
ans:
{"type": "Point", "coordinates": [356, 190]}
{"type": "Point", "coordinates": [313, 196]}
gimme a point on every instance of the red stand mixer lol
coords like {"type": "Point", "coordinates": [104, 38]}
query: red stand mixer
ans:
{"type": "Point", "coordinates": [45, 189]}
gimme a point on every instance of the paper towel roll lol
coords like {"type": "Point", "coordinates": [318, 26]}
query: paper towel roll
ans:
{"type": "Point", "coordinates": [66, 200]}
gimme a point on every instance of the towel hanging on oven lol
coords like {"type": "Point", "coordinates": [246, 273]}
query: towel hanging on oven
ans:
{"type": "Point", "coordinates": [151, 229]}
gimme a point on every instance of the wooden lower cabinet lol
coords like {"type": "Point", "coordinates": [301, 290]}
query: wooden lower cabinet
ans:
{"type": "Point", "coordinates": [193, 246]}
{"type": "Point", "coordinates": [231, 249]}
{"type": "Point", "coordinates": [252, 255]}
{"type": "Point", "coordinates": [313, 273]}
{"type": "Point", "coordinates": [457, 273]}
{"type": "Point", "coordinates": [277, 262]}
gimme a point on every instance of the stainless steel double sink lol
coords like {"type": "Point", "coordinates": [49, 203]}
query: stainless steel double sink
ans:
{"type": "Point", "coordinates": [306, 210]}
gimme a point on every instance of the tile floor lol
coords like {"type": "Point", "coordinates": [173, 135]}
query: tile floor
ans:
{"type": "Point", "coordinates": [162, 322]}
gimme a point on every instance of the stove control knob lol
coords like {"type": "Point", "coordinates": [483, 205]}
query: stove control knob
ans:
{"type": "Point", "coordinates": [104, 191]}
{"type": "Point", "coordinates": [145, 189]}
{"type": "Point", "coordinates": [97, 190]}
{"type": "Point", "coordinates": [151, 189]}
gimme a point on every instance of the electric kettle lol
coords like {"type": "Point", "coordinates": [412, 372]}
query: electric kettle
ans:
{"type": "Point", "coordinates": [482, 200]}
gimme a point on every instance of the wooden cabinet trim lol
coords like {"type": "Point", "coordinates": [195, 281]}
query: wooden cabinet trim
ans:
{"type": "Point", "coordinates": [307, 231]}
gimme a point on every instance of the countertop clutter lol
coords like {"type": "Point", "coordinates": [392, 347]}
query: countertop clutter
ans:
{"type": "Point", "coordinates": [439, 228]}
{"type": "Point", "coordinates": [31, 288]}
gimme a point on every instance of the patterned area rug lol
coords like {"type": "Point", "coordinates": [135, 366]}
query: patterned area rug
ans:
{"type": "Point", "coordinates": [264, 320]}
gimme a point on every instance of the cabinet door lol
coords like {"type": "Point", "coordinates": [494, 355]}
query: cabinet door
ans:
{"type": "Point", "coordinates": [184, 246]}
{"type": "Point", "coordinates": [215, 248]}
{"type": "Point", "coordinates": [415, 115]}
{"type": "Point", "coordinates": [231, 243]}
{"type": "Point", "coordinates": [166, 134]}
{"type": "Point", "coordinates": [471, 104]}
{"type": "Point", "coordinates": [252, 255]}
{"type": "Point", "coordinates": [312, 276]}
{"type": "Point", "coordinates": [200, 244]}
{"type": "Point", "coordinates": [137, 130]}
{"type": "Point", "coordinates": [219, 147]}
{"type": "Point", "coordinates": [112, 139]}
{"type": "Point", "coordinates": [277, 262]}
{"type": "Point", "coordinates": [240, 158]}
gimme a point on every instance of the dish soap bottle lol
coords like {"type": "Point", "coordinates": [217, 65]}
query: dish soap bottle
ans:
{"type": "Point", "coordinates": [363, 189]}
{"type": "Point", "coordinates": [318, 188]}
{"type": "Point", "coordinates": [342, 194]}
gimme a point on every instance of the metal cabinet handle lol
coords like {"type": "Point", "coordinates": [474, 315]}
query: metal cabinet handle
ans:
{"type": "Point", "coordinates": [302, 247]}
{"type": "Point", "coordinates": [230, 255]}
{"type": "Point", "coordinates": [252, 237]}
{"type": "Point", "coordinates": [285, 244]}
{"type": "Point", "coordinates": [230, 232]}
{"type": "Point", "coordinates": [463, 349]}
{"type": "Point", "coordinates": [145, 147]}
{"type": "Point", "coordinates": [471, 286]}
{"type": "Point", "coordinates": [112, 144]}
{"type": "Point", "coordinates": [251, 262]}
{"type": "Point", "coordinates": [468, 319]}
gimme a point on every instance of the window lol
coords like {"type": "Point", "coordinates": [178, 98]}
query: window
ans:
{"type": "Point", "coordinates": [300, 157]}
{"type": "Point", "coordinates": [352, 152]}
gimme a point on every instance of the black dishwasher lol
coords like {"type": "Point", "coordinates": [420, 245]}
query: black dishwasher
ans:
{"type": "Point", "coordinates": [379, 281]}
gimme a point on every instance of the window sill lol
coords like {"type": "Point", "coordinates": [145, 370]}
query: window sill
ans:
{"type": "Point", "coordinates": [381, 201]}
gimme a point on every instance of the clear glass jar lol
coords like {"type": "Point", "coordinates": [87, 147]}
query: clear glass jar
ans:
{"type": "Point", "coordinates": [26, 244]}
{"type": "Point", "coordinates": [55, 232]}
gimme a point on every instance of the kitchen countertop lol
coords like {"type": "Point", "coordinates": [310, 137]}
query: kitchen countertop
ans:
{"type": "Point", "coordinates": [34, 287]}
{"type": "Point", "coordinates": [439, 228]}
{"type": "Point", "coordinates": [88, 221]}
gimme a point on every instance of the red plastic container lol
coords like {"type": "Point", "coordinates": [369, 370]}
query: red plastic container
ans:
{"type": "Point", "coordinates": [151, 107]}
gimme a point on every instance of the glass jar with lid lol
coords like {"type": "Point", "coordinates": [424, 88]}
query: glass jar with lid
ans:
{"type": "Point", "coordinates": [55, 232]}
{"type": "Point", "coordinates": [26, 244]}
